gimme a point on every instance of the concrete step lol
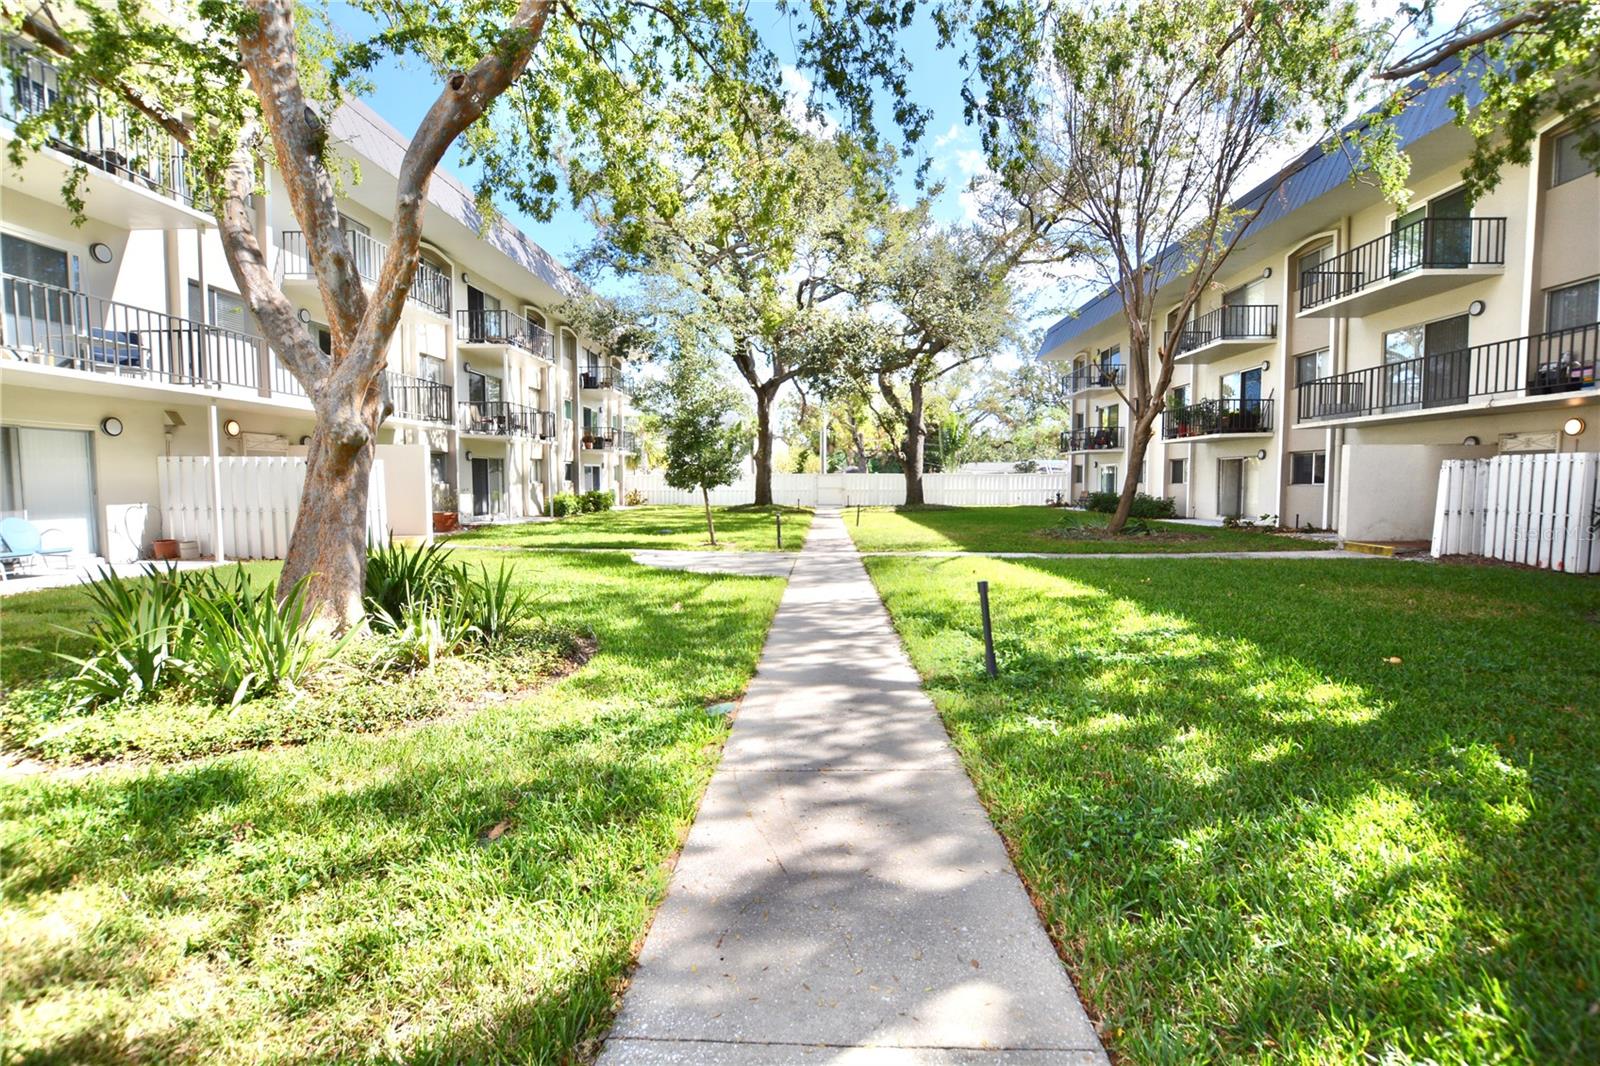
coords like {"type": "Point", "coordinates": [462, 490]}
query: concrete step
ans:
{"type": "Point", "coordinates": [1369, 548]}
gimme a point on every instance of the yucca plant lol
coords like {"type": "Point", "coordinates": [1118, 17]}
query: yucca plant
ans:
{"type": "Point", "coordinates": [399, 576]}
{"type": "Point", "coordinates": [248, 644]}
{"type": "Point", "coordinates": [141, 636]}
{"type": "Point", "coordinates": [492, 604]}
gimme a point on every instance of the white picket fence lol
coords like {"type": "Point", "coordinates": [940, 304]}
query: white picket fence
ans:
{"type": "Point", "coordinates": [868, 490]}
{"type": "Point", "coordinates": [1538, 510]}
{"type": "Point", "coordinates": [260, 501]}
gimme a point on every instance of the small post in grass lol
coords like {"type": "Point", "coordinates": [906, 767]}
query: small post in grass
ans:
{"type": "Point", "coordinates": [988, 631]}
{"type": "Point", "coordinates": [858, 514]}
{"type": "Point", "coordinates": [779, 516]}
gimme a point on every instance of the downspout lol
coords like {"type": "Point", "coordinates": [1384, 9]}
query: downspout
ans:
{"type": "Point", "coordinates": [216, 487]}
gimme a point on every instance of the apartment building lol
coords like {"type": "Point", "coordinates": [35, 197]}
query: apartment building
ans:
{"type": "Point", "coordinates": [125, 340]}
{"type": "Point", "coordinates": [1346, 348]}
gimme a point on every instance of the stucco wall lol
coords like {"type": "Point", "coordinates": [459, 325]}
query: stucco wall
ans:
{"type": "Point", "coordinates": [1390, 489]}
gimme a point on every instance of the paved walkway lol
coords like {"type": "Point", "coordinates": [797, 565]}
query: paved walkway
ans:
{"type": "Point", "coordinates": [842, 896]}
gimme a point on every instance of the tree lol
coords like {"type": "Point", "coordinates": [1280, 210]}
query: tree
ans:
{"type": "Point", "coordinates": [1149, 114]}
{"type": "Point", "coordinates": [536, 92]}
{"type": "Point", "coordinates": [695, 408]}
{"type": "Point", "coordinates": [1517, 62]}
{"type": "Point", "coordinates": [747, 249]}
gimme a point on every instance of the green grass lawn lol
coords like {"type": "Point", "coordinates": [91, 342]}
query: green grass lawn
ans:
{"type": "Point", "coordinates": [738, 529]}
{"type": "Point", "coordinates": [467, 890]}
{"type": "Point", "coordinates": [1041, 529]}
{"type": "Point", "coordinates": [1298, 811]}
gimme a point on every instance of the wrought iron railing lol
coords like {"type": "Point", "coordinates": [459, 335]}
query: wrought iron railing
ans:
{"type": "Point", "coordinates": [417, 398]}
{"type": "Point", "coordinates": [495, 418]}
{"type": "Point", "coordinates": [1094, 439]}
{"type": "Point", "coordinates": [1543, 364]}
{"type": "Point", "coordinates": [502, 327]}
{"type": "Point", "coordinates": [135, 151]}
{"type": "Point", "coordinates": [430, 287]}
{"type": "Point", "coordinates": [598, 377]}
{"type": "Point", "coordinates": [1426, 244]}
{"type": "Point", "coordinates": [544, 425]}
{"type": "Point", "coordinates": [1235, 322]}
{"type": "Point", "coordinates": [57, 327]}
{"type": "Point", "coordinates": [1111, 375]}
{"type": "Point", "coordinates": [1204, 418]}
{"type": "Point", "coordinates": [599, 438]}
{"type": "Point", "coordinates": [628, 441]}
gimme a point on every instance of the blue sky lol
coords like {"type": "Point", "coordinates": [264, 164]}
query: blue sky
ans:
{"type": "Point", "coordinates": [403, 94]}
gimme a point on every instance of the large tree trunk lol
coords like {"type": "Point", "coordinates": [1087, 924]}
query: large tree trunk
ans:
{"type": "Point", "coordinates": [764, 397]}
{"type": "Point", "coordinates": [914, 447]}
{"type": "Point", "coordinates": [1140, 434]}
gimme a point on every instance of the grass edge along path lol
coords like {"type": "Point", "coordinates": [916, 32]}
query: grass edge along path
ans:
{"type": "Point", "coordinates": [658, 526]}
{"type": "Point", "coordinates": [471, 890]}
{"type": "Point", "coordinates": [1044, 529]}
{"type": "Point", "coordinates": [1294, 811]}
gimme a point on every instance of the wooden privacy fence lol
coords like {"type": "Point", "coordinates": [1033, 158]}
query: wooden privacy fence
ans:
{"type": "Point", "coordinates": [1538, 510]}
{"type": "Point", "coordinates": [260, 500]}
{"type": "Point", "coordinates": [870, 490]}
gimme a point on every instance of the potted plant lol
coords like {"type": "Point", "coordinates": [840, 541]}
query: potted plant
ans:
{"type": "Point", "coordinates": [446, 514]}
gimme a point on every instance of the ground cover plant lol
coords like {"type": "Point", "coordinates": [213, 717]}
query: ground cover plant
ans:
{"type": "Point", "coordinates": [1314, 810]}
{"type": "Point", "coordinates": [1044, 529]}
{"type": "Point", "coordinates": [467, 890]}
{"type": "Point", "coordinates": [658, 526]}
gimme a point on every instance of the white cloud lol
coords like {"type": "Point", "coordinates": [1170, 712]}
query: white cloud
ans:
{"type": "Point", "coordinates": [796, 90]}
{"type": "Point", "coordinates": [955, 133]}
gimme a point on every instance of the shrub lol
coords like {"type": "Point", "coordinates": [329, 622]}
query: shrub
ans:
{"type": "Point", "coordinates": [247, 643]}
{"type": "Point", "coordinates": [140, 636]}
{"type": "Point", "coordinates": [634, 498]}
{"type": "Point", "coordinates": [399, 576]}
{"type": "Point", "coordinates": [425, 606]}
{"type": "Point", "coordinates": [491, 605]}
{"type": "Point", "coordinates": [563, 504]}
{"type": "Point", "coordinates": [1144, 506]}
{"type": "Point", "coordinates": [597, 501]}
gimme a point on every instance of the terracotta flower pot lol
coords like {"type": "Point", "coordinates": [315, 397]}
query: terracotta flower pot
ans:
{"type": "Point", "coordinates": [164, 549]}
{"type": "Point", "coordinates": [446, 521]}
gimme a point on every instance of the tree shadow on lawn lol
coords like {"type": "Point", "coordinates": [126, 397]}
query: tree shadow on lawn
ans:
{"type": "Point", "coordinates": [466, 891]}
{"type": "Point", "coordinates": [1260, 834]}
{"type": "Point", "coordinates": [1048, 529]}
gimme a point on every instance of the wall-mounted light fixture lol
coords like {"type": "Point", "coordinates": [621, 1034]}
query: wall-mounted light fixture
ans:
{"type": "Point", "coordinates": [1574, 426]}
{"type": "Point", "coordinates": [304, 316]}
{"type": "Point", "coordinates": [231, 427]}
{"type": "Point", "coordinates": [465, 280]}
{"type": "Point", "coordinates": [1476, 308]}
{"type": "Point", "coordinates": [111, 426]}
{"type": "Point", "coordinates": [305, 440]}
{"type": "Point", "coordinates": [1471, 442]}
{"type": "Point", "coordinates": [1261, 453]}
{"type": "Point", "coordinates": [468, 456]}
{"type": "Point", "coordinates": [1266, 365]}
{"type": "Point", "coordinates": [100, 252]}
{"type": "Point", "coordinates": [1267, 273]}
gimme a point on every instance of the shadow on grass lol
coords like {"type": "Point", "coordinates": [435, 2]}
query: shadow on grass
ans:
{"type": "Point", "coordinates": [466, 891]}
{"type": "Point", "coordinates": [1049, 529]}
{"type": "Point", "coordinates": [1319, 809]}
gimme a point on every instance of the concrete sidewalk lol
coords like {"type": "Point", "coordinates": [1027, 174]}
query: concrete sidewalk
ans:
{"type": "Point", "coordinates": [842, 896]}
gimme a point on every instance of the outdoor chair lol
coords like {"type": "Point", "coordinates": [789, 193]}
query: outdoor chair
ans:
{"type": "Point", "coordinates": [22, 542]}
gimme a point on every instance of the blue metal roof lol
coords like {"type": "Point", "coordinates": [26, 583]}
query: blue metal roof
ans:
{"type": "Point", "coordinates": [1318, 174]}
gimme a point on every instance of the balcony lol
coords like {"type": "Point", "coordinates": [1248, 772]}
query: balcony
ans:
{"type": "Point", "coordinates": [417, 399]}
{"type": "Point", "coordinates": [1089, 379]}
{"type": "Point", "coordinates": [148, 183]}
{"type": "Point", "coordinates": [544, 425]}
{"type": "Point", "coordinates": [598, 438]}
{"type": "Point", "coordinates": [1544, 368]}
{"type": "Point", "coordinates": [502, 329]}
{"type": "Point", "coordinates": [1225, 331]}
{"type": "Point", "coordinates": [496, 418]}
{"type": "Point", "coordinates": [599, 377]}
{"type": "Point", "coordinates": [54, 327]}
{"type": "Point", "coordinates": [1217, 418]}
{"type": "Point", "coordinates": [1429, 256]}
{"type": "Point", "coordinates": [629, 442]}
{"type": "Point", "coordinates": [430, 287]}
{"type": "Point", "coordinates": [1098, 439]}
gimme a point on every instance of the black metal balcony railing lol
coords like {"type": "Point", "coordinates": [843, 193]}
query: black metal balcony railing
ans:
{"type": "Point", "coordinates": [628, 441]}
{"type": "Point", "coordinates": [1205, 418]}
{"type": "Point", "coordinates": [1544, 364]}
{"type": "Point", "coordinates": [1236, 322]}
{"type": "Point", "coordinates": [1111, 375]}
{"type": "Point", "coordinates": [543, 424]}
{"type": "Point", "coordinates": [58, 327]}
{"type": "Point", "coordinates": [1427, 244]}
{"type": "Point", "coordinates": [417, 398]}
{"type": "Point", "coordinates": [430, 286]}
{"type": "Point", "coordinates": [147, 157]}
{"type": "Point", "coordinates": [496, 418]}
{"type": "Point", "coordinates": [599, 438]}
{"type": "Point", "coordinates": [598, 377]}
{"type": "Point", "coordinates": [502, 327]}
{"type": "Point", "coordinates": [1094, 439]}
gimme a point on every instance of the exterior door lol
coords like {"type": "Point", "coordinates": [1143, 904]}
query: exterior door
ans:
{"type": "Point", "coordinates": [47, 477]}
{"type": "Point", "coordinates": [1446, 362]}
{"type": "Point", "coordinates": [1450, 230]}
{"type": "Point", "coordinates": [1230, 487]}
{"type": "Point", "coordinates": [1250, 400]}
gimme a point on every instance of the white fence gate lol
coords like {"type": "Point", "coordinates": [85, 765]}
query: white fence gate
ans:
{"type": "Point", "coordinates": [260, 501]}
{"type": "Point", "coordinates": [1538, 510]}
{"type": "Point", "coordinates": [868, 490]}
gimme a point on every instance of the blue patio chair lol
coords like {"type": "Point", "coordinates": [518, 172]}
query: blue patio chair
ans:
{"type": "Point", "coordinates": [115, 347]}
{"type": "Point", "coordinates": [22, 541]}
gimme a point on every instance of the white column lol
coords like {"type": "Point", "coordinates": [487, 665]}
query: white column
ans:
{"type": "Point", "coordinates": [216, 486]}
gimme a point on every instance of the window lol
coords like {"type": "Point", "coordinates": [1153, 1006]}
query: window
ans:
{"type": "Point", "coordinates": [1572, 306]}
{"type": "Point", "coordinates": [1307, 468]}
{"type": "Point", "coordinates": [1077, 473]}
{"type": "Point", "coordinates": [430, 368]}
{"type": "Point", "coordinates": [1569, 164]}
{"type": "Point", "coordinates": [1179, 398]}
{"type": "Point", "coordinates": [566, 410]}
{"type": "Point", "coordinates": [1312, 366]}
{"type": "Point", "coordinates": [1310, 283]}
{"type": "Point", "coordinates": [1409, 381]}
{"type": "Point", "coordinates": [1175, 471]}
{"type": "Point", "coordinates": [22, 258]}
{"type": "Point", "coordinates": [227, 310]}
